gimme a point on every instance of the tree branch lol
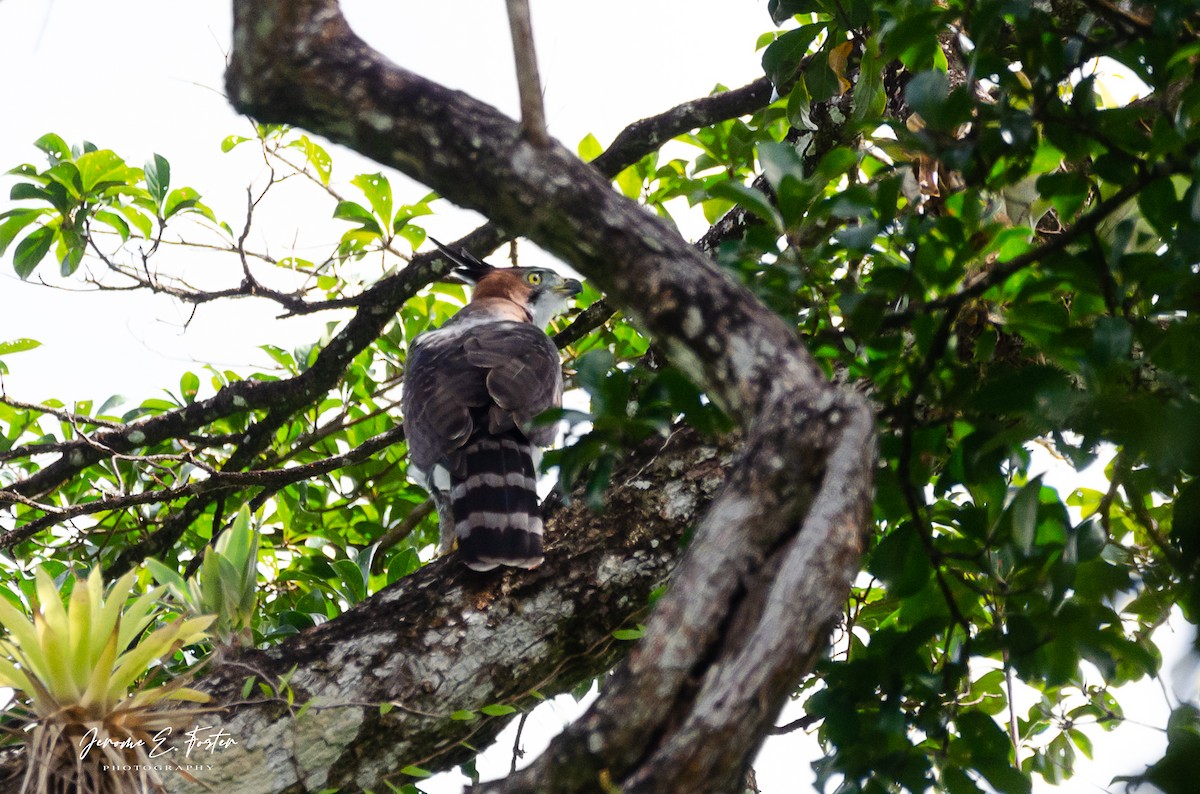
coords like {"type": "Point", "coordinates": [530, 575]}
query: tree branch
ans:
{"type": "Point", "coordinates": [778, 547]}
{"type": "Point", "coordinates": [217, 481]}
{"type": "Point", "coordinates": [533, 114]}
{"type": "Point", "coordinates": [445, 638]}
{"type": "Point", "coordinates": [385, 297]}
{"type": "Point", "coordinates": [643, 137]}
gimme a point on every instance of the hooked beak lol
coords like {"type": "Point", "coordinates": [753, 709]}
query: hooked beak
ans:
{"type": "Point", "coordinates": [569, 288]}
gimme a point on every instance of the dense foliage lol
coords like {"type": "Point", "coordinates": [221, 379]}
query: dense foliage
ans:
{"type": "Point", "coordinates": [960, 218]}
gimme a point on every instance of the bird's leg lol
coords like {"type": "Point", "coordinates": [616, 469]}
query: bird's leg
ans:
{"type": "Point", "coordinates": [441, 499]}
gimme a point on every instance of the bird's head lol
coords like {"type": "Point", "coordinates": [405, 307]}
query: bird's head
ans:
{"type": "Point", "coordinates": [543, 292]}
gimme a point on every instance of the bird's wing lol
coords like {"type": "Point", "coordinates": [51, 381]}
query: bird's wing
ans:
{"type": "Point", "coordinates": [524, 375]}
{"type": "Point", "coordinates": [510, 368]}
{"type": "Point", "coordinates": [440, 389]}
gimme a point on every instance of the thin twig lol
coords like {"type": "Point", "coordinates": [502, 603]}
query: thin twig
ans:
{"type": "Point", "coordinates": [584, 323]}
{"type": "Point", "coordinates": [1012, 707]}
{"type": "Point", "coordinates": [517, 752]}
{"type": "Point", "coordinates": [533, 114]}
{"type": "Point", "coordinates": [217, 480]}
{"type": "Point", "coordinates": [404, 528]}
{"type": "Point", "coordinates": [916, 504]}
{"type": "Point", "coordinates": [804, 723]}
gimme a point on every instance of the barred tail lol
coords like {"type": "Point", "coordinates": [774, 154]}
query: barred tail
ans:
{"type": "Point", "coordinates": [495, 505]}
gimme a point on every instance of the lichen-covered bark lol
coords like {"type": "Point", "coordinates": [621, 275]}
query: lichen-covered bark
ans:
{"type": "Point", "coordinates": [446, 638]}
{"type": "Point", "coordinates": [774, 553]}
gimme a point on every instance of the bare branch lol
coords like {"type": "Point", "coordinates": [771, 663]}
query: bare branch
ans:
{"type": "Point", "coordinates": [533, 114]}
{"type": "Point", "coordinates": [518, 752]}
{"type": "Point", "coordinates": [648, 135]}
{"type": "Point", "coordinates": [405, 527]}
{"type": "Point", "coordinates": [218, 480]}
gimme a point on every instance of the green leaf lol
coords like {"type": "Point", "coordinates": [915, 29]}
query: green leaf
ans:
{"type": "Point", "coordinates": [71, 248]}
{"type": "Point", "coordinates": [1023, 513]}
{"type": "Point", "coordinates": [630, 182]}
{"type": "Point", "coordinates": [32, 250]}
{"type": "Point", "coordinates": [629, 634]}
{"type": "Point", "coordinates": [231, 141]}
{"type": "Point", "coordinates": [870, 98]}
{"type": "Point", "coordinates": [782, 10]}
{"type": "Point", "coordinates": [67, 176]}
{"type": "Point", "coordinates": [171, 578]}
{"type": "Point", "coordinates": [928, 93]}
{"type": "Point", "coordinates": [780, 160]}
{"type": "Point", "coordinates": [316, 156]}
{"type": "Point", "coordinates": [799, 103]}
{"type": "Point", "coordinates": [138, 219]}
{"type": "Point", "coordinates": [752, 200]}
{"type": "Point", "coordinates": [589, 148]}
{"type": "Point", "coordinates": [1185, 524]}
{"type": "Point", "coordinates": [102, 168]}
{"type": "Point", "coordinates": [820, 79]}
{"type": "Point", "coordinates": [783, 57]}
{"type": "Point", "coordinates": [54, 146]}
{"type": "Point", "coordinates": [1112, 341]}
{"type": "Point", "coordinates": [158, 178]}
{"type": "Point", "coordinates": [591, 370]}
{"type": "Point", "coordinates": [352, 578]}
{"type": "Point", "coordinates": [281, 357]}
{"type": "Point", "coordinates": [1160, 206]}
{"type": "Point", "coordinates": [1066, 191]}
{"type": "Point", "coordinates": [378, 191]}
{"type": "Point", "coordinates": [18, 346]}
{"type": "Point", "coordinates": [115, 221]}
{"type": "Point", "coordinates": [901, 562]}
{"type": "Point", "coordinates": [464, 715]}
{"type": "Point", "coordinates": [350, 211]}
{"type": "Point", "coordinates": [16, 221]}
{"type": "Point", "coordinates": [415, 235]}
{"type": "Point", "coordinates": [189, 386]}
{"type": "Point", "coordinates": [182, 199]}
{"type": "Point", "coordinates": [498, 710]}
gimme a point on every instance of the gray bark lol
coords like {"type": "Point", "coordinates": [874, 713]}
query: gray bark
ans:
{"type": "Point", "coordinates": [446, 639]}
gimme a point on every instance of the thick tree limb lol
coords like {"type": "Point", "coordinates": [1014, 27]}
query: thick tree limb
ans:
{"type": "Point", "coordinates": [445, 638]}
{"type": "Point", "coordinates": [784, 536]}
{"type": "Point", "coordinates": [645, 136]}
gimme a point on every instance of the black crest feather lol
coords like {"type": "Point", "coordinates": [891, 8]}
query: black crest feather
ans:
{"type": "Point", "coordinates": [466, 264]}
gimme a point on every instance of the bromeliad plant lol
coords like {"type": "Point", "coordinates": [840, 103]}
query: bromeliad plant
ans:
{"type": "Point", "coordinates": [84, 676]}
{"type": "Point", "coordinates": [226, 585]}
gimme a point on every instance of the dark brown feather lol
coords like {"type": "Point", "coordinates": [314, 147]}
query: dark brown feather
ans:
{"type": "Point", "coordinates": [472, 390]}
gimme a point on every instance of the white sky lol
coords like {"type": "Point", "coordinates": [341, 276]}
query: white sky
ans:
{"type": "Point", "coordinates": [145, 76]}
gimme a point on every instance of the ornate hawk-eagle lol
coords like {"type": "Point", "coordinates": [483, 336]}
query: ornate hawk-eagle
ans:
{"type": "Point", "coordinates": [471, 389]}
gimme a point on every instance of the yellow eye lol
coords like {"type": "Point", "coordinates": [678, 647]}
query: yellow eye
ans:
{"type": "Point", "coordinates": [534, 278]}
